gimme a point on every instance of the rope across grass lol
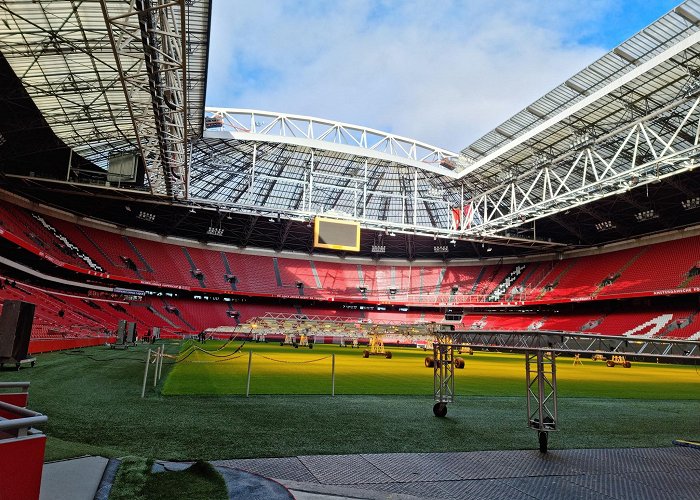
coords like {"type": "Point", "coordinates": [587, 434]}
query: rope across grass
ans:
{"type": "Point", "coordinates": [224, 357]}
{"type": "Point", "coordinates": [292, 362]}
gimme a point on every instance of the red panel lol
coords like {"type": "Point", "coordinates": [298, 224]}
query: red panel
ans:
{"type": "Point", "coordinates": [36, 346]}
{"type": "Point", "coordinates": [17, 399]}
{"type": "Point", "coordinates": [21, 464]}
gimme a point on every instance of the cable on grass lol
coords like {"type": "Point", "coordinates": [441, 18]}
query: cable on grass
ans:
{"type": "Point", "coordinates": [225, 357]}
{"type": "Point", "coordinates": [211, 353]}
{"type": "Point", "coordinates": [194, 346]}
{"type": "Point", "coordinates": [93, 358]}
{"type": "Point", "coordinates": [219, 360]}
{"type": "Point", "coordinates": [292, 362]}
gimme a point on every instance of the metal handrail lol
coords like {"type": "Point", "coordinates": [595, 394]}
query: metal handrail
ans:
{"type": "Point", "coordinates": [12, 385]}
{"type": "Point", "coordinates": [28, 419]}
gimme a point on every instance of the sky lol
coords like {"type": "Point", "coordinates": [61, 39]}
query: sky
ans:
{"type": "Point", "coordinates": [444, 72]}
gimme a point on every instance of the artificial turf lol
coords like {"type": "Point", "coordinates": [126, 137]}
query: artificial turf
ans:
{"type": "Point", "coordinates": [218, 368]}
{"type": "Point", "coordinates": [92, 399]}
{"type": "Point", "coordinates": [134, 479]}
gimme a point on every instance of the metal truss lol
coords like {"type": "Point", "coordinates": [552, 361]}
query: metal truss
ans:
{"type": "Point", "coordinates": [653, 147]}
{"type": "Point", "coordinates": [298, 182]}
{"type": "Point", "coordinates": [627, 120]}
{"type": "Point", "coordinates": [148, 40]}
{"type": "Point", "coordinates": [541, 350]}
{"type": "Point", "coordinates": [443, 377]}
{"type": "Point", "coordinates": [311, 322]}
{"type": "Point", "coordinates": [541, 383]}
{"type": "Point", "coordinates": [266, 126]}
{"type": "Point", "coordinates": [631, 122]}
{"type": "Point", "coordinates": [653, 348]}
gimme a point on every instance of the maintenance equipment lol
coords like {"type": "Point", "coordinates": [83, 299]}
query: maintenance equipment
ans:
{"type": "Point", "coordinates": [619, 360]}
{"type": "Point", "coordinates": [541, 349]}
{"type": "Point", "coordinates": [376, 346]}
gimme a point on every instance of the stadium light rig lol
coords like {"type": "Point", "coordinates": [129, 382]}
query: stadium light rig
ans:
{"type": "Point", "coordinates": [147, 216]}
{"type": "Point", "coordinates": [691, 203]}
{"type": "Point", "coordinates": [605, 225]}
{"type": "Point", "coordinates": [441, 249]}
{"type": "Point", "coordinates": [646, 215]}
{"type": "Point", "coordinates": [215, 231]}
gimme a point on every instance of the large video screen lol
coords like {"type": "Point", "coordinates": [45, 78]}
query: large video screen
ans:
{"type": "Point", "coordinates": [337, 234]}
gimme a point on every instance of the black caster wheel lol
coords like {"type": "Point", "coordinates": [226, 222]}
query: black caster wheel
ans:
{"type": "Point", "coordinates": [429, 362]}
{"type": "Point", "coordinates": [459, 363]}
{"type": "Point", "coordinates": [365, 354]}
{"type": "Point", "coordinates": [311, 346]}
{"type": "Point", "coordinates": [440, 409]}
{"type": "Point", "coordinates": [281, 343]}
{"type": "Point", "coordinates": [388, 355]}
{"type": "Point", "coordinates": [543, 437]}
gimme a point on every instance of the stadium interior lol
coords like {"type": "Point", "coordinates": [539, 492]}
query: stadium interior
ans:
{"type": "Point", "coordinates": [124, 198]}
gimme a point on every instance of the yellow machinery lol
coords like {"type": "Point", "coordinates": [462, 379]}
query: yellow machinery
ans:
{"type": "Point", "coordinates": [465, 349]}
{"type": "Point", "coordinates": [376, 346]}
{"type": "Point", "coordinates": [304, 341]}
{"type": "Point", "coordinates": [289, 339]}
{"type": "Point", "coordinates": [619, 360]}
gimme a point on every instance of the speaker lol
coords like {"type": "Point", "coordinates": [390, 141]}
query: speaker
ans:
{"type": "Point", "coordinates": [130, 332]}
{"type": "Point", "coordinates": [121, 331]}
{"type": "Point", "coordinates": [15, 329]}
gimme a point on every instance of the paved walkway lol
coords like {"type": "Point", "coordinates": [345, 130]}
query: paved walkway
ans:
{"type": "Point", "coordinates": [638, 473]}
{"type": "Point", "coordinates": [654, 473]}
{"type": "Point", "coordinates": [77, 479]}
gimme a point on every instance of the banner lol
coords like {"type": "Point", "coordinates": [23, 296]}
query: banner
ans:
{"type": "Point", "coordinates": [456, 219]}
{"type": "Point", "coordinates": [468, 217]}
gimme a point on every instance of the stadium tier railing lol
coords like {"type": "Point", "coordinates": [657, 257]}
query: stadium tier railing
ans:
{"type": "Point", "coordinates": [635, 272]}
{"type": "Point", "coordinates": [21, 451]}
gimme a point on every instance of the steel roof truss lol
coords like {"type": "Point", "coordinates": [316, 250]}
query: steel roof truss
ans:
{"type": "Point", "coordinates": [641, 152]}
{"type": "Point", "coordinates": [148, 42]}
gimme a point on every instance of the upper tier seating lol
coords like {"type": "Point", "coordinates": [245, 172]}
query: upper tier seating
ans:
{"type": "Point", "coordinates": [647, 270]}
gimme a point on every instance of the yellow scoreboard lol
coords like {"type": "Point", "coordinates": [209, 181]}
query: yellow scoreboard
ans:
{"type": "Point", "coordinates": [336, 234]}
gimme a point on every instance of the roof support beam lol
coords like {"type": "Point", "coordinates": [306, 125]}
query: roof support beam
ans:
{"type": "Point", "coordinates": [638, 153]}
{"type": "Point", "coordinates": [592, 98]}
{"type": "Point", "coordinates": [148, 41]}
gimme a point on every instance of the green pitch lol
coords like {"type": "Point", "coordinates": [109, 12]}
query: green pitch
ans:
{"type": "Point", "coordinates": [216, 368]}
{"type": "Point", "coordinates": [93, 399]}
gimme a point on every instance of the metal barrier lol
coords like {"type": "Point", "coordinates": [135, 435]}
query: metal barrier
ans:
{"type": "Point", "coordinates": [541, 349]}
{"type": "Point", "coordinates": [21, 448]}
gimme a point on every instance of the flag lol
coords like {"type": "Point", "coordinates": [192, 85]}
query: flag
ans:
{"type": "Point", "coordinates": [468, 217]}
{"type": "Point", "coordinates": [456, 219]}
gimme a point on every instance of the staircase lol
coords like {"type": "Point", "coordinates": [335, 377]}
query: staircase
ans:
{"type": "Point", "coordinates": [503, 286]}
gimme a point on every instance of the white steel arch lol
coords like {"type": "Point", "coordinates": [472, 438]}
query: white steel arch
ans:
{"type": "Point", "coordinates": [330, 135]}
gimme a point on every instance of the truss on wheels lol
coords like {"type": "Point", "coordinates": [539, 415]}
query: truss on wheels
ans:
{"type": "Point", "coordinates": [541, 381]}
{"type": "Point", "coordinates": [541, 350]}
{"type": "Point", "coordinates": [443, 377]}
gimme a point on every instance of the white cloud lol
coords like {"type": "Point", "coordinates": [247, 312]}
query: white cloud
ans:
{"type": "Point", "coordinates": [440, 72]}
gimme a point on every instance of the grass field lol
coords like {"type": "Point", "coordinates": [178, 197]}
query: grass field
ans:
{"type": "Point", "coordinates": [285, 370]}
{"type": "Point", "coordinates": [92, 399]}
